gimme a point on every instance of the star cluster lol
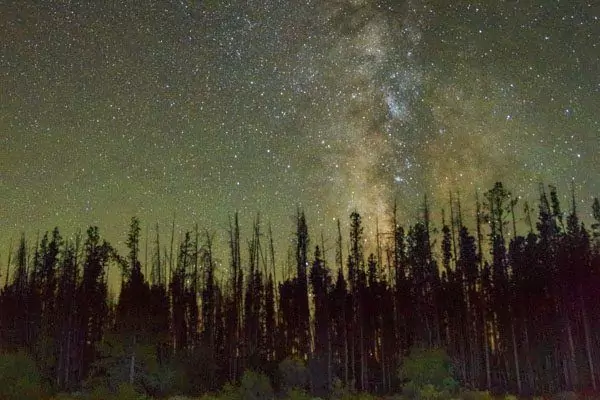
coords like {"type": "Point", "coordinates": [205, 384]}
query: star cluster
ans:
{"type": "Point", "coordinates": [197, 109]}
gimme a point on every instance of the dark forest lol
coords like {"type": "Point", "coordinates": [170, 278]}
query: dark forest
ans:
{"type": "Point", "coordinates": [514, 314]}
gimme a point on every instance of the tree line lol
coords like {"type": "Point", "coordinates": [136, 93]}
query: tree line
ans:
{"type": "Point", "coordinates": [518, 313]}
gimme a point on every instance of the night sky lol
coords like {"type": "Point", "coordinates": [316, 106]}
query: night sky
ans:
{"type": "Point", "coordinates": [195, 109]}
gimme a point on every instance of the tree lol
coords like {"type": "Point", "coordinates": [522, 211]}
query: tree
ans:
{"type": "Point", "coordinates": [321, 286]}
{"type": "Point", "coordinates": [200, 327]}
{"type": "Point", "coordinates": [357, 281]}
{"type": "Point", "coordinates": [180, 295]}
{"type": "Point", "coordinates": [132, 312]}
{"type": "Point", "coordinates": [91, 298]}
{"type": "Point", "coordinates": [303, 313]}
{"type": "Point", "coordinates": [596, 215]}
{"type": "Point", "coordinates": [497, 206]}
{"type": "Point", "coordinates": [66, 328]}
{"type": "Point", "coordinates": [234, 302]}
{"type": "Point", "coordinates": [468, 263]}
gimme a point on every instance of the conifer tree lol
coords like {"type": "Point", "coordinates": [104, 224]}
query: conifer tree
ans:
{"type": "Point", "coordinates": [301, 289]}
{"type": "Point", "coordinates": [91, 297]}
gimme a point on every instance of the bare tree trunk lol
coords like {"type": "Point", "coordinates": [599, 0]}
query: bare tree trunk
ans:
{"type": "Point", "coordinates": [346, 360]}
{"type": "Point", "coordinates": [353, 360]}
{"type": "Point", "coordinates": [329, 368]}
{"type": "Point", "coordinates": [363, 363]}
{"type": "Point", "coordinates": [132, 364]}
{"type": "Point", "coordinates": [8, 263]}
{"type": "Point", "coordinates": [383, 369]}
{"type": "Point", "coordinates": [572, 358]}
{"type": "Point", "coordinates": [588, 344]}
{"type": "Point", "coordinates": [68, 359]}
{"type": "Point", "coordinates": [59, 367]}
{"type": "Point", "coordinates": [486, 345]}
{"type": "Point", "coordinates": [566, 374]}
{"type": "Point", "coordinates": [171, 252]}
{"type": "Point", "coordinates": [474, 370]}
{"type": "Point", "coordinates": [516, 358]}
{"type": "Point", "coordinates": [530, 372]}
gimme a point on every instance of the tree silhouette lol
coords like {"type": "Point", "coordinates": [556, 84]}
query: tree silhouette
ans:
{"type": "Point", "coordinates": [513, 312]}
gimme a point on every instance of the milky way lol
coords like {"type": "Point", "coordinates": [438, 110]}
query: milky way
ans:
{"type": "Point", "coordinates": [197, 109]}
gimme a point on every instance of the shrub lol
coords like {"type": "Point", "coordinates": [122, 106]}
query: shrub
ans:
{"type": "Point", "coordinates": [293, 374]}
{"type": "Point", "coordinates": [159, 380]}
{"type": "Point", "coordinates": [99, 393]}
{"type": "Point", "coordinates": [565, 396]}
{"type": "Point", "coordinates": [67, 396]}
{"type": "Point", "coordinates": [124, 391]}
{"type": "Point", "coordinates": [394, 397]}
{"type": "Point", "coordinates": [410, 390]}
{"type": "Point", "coordinates": [209, 397]}
{"type": "Point", "coordinates": [427, 373]}
{"type": "Point", "coordinates": [128, 392]}
{"type": "Point", "coordinates": [297, 394]}
{"type": "Point", "coordinates": [19, 378]}
{"type": "Point", "coordinates": [255, 386]}
{"type": "Point", "coordinates": [182, 398]}
{"type": "Point", "coordinates": [363, 396]}
{"type": "Point", "coordinates": [475, 395]}
{"type": "Point", "coordinates": [430, 392]}
{"type": "Point", "coordinates": [339, 390]}
{"type": "Point", "coordinates": [229, 392]}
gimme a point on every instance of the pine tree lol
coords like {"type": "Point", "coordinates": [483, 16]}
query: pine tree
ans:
{"type": "Point", "coordinates": [180, 295]}
{"type": "Point", "coordinates": [301, 290]}
{"type": "Point", "coordinates": [132, 312]}
{"type": "Point", "coordinates": [66, 334]}
{"type": "Point", "coordinates": [497, 208]}
{"type": "Point", "coordinates": [91, 298]}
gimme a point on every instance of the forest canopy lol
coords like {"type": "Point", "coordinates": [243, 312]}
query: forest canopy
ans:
{"type": "Point", "coordinates": [502, 311]}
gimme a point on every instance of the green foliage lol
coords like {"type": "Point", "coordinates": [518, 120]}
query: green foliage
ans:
{"type": "Point", "coordinates": [124, 391]}
{"type": "Point", "coordinates": [229, 392]}
{"type": "Point", "coordinates": [475, 395]}
{"type": "Point", "coordinates": [129, 392]}
{"type": "Point", "coordinates": [195, 372]}
{"type": "Point", "coordinates": [410, 390]}
{"type": "Point", "coordinates": [565, 396]}
{"type": "Point", "coordinates": [159, 379]}
{"type": "Point", "coordinates": [347, 395]}
{"type": "Point", "coordinates": [205, 397]}
{"type": "Point", "coordinates": [394, 397]}
{"type": "Point", "coordinates": [98, 393]}
{"type": "Point", "coordinates": [19, 378]}
{"type": "Point", "coordinates": [339, 391]}
{"type": "Point", "coordinates": [208, 396]}
{"type": "Point", "coordinates": [510, 397]}
{"type": "Point", "coordinates": [112, 368]}
{"type": "Point", "coordinates": [255, 386]}
{"type": "Point", "coordinates": [363, 396]}
{"type": "Point", "coordinates": [425, 392]}
{"type": "Point", "coordinates": [66, 396]}
{"type": "Point", "coordinates": [293, 374]}
{"type": "Point", "coordinates": [430, 392]}
{"type": "Point", "coordinates": [296, 394]}
{"type": "Point", "coordinates": [427, 374]}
